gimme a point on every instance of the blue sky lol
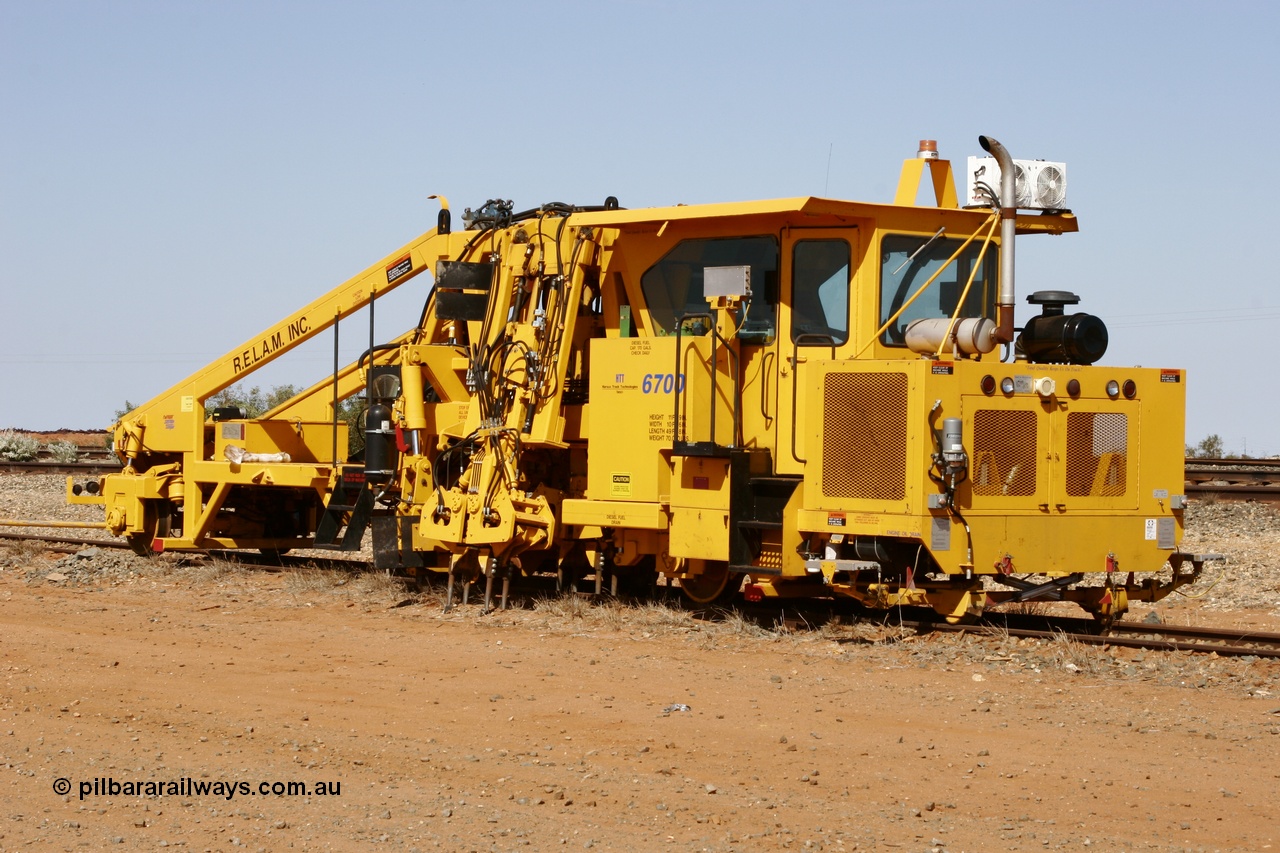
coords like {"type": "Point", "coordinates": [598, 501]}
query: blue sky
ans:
{"type": "Point", "coordinates": [177, 176]}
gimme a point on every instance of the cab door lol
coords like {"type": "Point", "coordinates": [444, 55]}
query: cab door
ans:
{"type": "Point", "coordinates": [814, 322]}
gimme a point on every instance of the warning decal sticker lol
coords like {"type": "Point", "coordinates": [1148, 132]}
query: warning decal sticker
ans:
{"type": "Point", "coordinates": [399, 269]}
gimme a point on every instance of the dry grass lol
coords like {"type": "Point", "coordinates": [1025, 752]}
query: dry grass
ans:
{"type": "Point", "coordinates": [833, 629]}
{"type": "Point", "coordinates": [646, 619]}
{"type": "Point", "coordinates": [569, 606]}
{"type": "Point", "coordinates": [871, 631]}
{"type": "Point", "coordinates": [1077, 657]}
{"type": "Point", "coordinates": [736, 625]}
{"type": "Point", "coordinates": [21, 553]}
{"type": "Point", "coordinates": [614, 615]}
{"type": "Point", "coordinates": [373, 586]}
{"type": "Point", "coordinates": [211, 571]}
{"type": "Point", "coordinates": [309, 580]}
{"type": "Point", "coordinates": [658, 616]}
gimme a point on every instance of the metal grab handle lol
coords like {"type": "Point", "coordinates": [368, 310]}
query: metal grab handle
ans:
{"type": "Point", "coordinates": [795, 381]}
{"type": "Point", "coordinates": [716, 338]}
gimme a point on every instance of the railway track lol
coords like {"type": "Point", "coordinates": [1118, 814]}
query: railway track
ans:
{"type": "Point", "coordinates": [85, 453]}
{"type": "Point", "coordinates": [246, 559]}
{"type": "Point", "coordinates": [1228, 642]}
{"type": "Point", "coordinates": [1225, 642]}
{"type": "Point", "coordinates": [90, 462]}
{"type": "Point", "coordinates": [1234, 479]}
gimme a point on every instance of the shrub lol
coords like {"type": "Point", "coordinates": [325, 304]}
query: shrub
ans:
{"type": "Point", "coordinates": [63, 451]}
{"type": "Point", "coordinates": [1210, 447]}
{"type": "Point", "coordinates": [17, 446]}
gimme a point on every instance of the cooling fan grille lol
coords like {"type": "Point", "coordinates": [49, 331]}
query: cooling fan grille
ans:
{"type": "Point", "coordinates": [1037, 184]}
{"type": "Point", "coordinates": [1051, 187]}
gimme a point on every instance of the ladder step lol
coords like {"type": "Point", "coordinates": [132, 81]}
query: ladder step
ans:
{"type": "Point", "coordinates": [774, 481]}
{"type": "Point", "coordinates": [750, 524]}
{"type": "Point", "coordinates": [754, 570]}
{"type": "Point", "coordinates": [699, 448]}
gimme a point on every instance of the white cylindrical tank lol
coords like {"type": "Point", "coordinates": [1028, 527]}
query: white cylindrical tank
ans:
{"type": "Point", "coordinates": [970, 336]}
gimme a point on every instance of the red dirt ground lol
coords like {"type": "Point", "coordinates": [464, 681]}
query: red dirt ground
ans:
{"type": "Point", "coordinates": [547, 728]}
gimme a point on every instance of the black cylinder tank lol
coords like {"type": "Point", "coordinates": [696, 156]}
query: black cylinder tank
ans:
{"type": "Point", "coordinates": [1055, 337]}
{"type": "Point", "coordinates": [379, 444]}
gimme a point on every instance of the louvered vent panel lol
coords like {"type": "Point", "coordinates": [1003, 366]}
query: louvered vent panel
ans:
{"type": "Point", "coordinates": [1097, 454]}
{"type": "Point", "coordinates": [1004, 453]}
{"type": "Point", "coordinates": [864, 436]}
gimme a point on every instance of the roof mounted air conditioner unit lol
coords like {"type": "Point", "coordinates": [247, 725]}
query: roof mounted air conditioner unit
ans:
{"type": "Point", "coordinates": [1038, 184]}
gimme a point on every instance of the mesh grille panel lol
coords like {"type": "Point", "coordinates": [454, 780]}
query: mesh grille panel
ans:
{"type": "Point", "coordinates": [1097, 454]}
{"type": "Point", "coordinates": [864, 436]}
{"type": "Point", "coordinates": [1004, 453]}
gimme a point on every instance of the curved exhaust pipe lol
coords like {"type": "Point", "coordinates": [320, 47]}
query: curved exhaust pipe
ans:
{"type": "Point", "coordinates": [1008, 228]}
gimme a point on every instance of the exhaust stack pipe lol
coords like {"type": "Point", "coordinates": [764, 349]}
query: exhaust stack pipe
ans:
{"type": "Point", "coordinates": [1008, 227]}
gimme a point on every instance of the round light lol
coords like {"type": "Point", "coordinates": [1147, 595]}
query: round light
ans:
{"type": "Point", "coordinates": [988, 385]}
{"type": "Point", "coordinates": [1113, 388]}
{"type": "Point", "coordinates": [1073, 387]}
{"type": "Point", "coordinates": [1130, 389]}
{"type": "Point", "coordinates": [1006, 385]}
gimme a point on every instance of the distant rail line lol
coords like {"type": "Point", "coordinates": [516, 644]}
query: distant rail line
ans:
{"type": "Point", "coordinates": [90, 462]}
{"type": "Point", "coordinates": [1234, 479]}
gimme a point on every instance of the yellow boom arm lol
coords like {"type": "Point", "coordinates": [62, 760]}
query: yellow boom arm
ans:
{"type": "Point", "coordinates": [171, 421]}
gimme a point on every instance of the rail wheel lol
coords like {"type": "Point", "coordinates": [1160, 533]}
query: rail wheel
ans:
{"type": "Point", "coordinates": [958, 605]}
{"type": "Point", "coordinates": [715, 584]}
{"type": "Point", "coordinates": [1106, 620]}
{"type": "Point", "coordinates": [1110, 607]}
{"type": "Point", "coordinates": [155, 524]}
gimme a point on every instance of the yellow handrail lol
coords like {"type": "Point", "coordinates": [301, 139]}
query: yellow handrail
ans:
{"type": "Point", "coordinates": [922, 288]}
{"type": "Point", "coordinates": [965, 293]}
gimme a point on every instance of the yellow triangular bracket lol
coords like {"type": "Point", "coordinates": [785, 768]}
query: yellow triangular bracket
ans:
{"type": "Point", "coordinates": [944, 185]}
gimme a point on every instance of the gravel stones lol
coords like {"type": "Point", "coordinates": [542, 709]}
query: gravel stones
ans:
{"type": "Point", "coordinates": [1248, 535]}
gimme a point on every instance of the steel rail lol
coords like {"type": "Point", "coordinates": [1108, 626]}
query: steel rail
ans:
{"type": "Point", "coordinates": [1220, 462]}
{"type": "Point", "coordinates": [72, 544]}
{"type": "Point", "coordinates": [70, 540]}
{"type": "Point", "coordinates": [1139, 636]}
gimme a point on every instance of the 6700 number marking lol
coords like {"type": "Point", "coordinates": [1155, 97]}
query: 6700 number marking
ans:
{"type": "Point", "coordinates": [662, 383]}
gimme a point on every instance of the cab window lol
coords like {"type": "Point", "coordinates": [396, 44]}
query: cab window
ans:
{"type": "Point", "coordinates": [820, 292]}
{"type": "Point", "coordinates": [908, 261]}
{"type": "Point", "coordinates": [673, 286]}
